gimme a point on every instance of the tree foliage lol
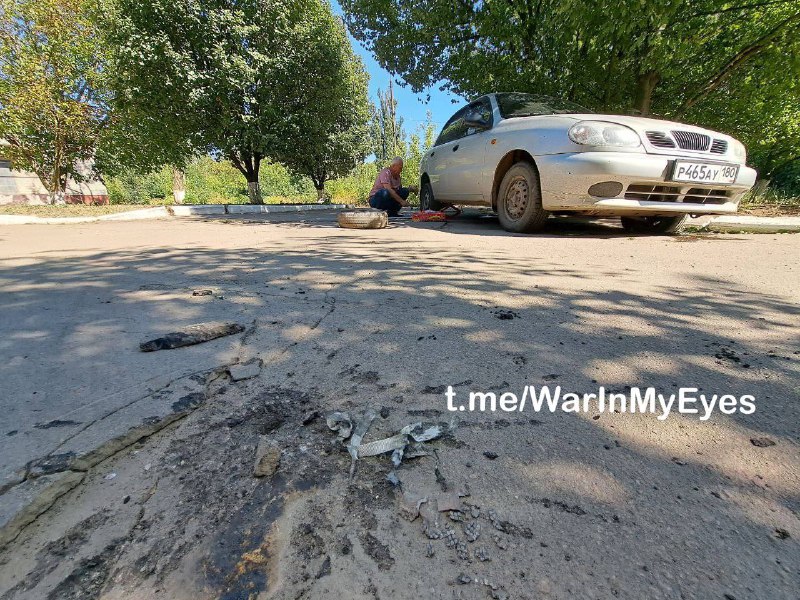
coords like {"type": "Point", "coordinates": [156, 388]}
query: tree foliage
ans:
{"type": "Point", "coordinates": [334, 138]}
{"type": "Point", "coordinates": [388, 135]}
{"type": "Point", "coordinates": [242, 79]}
{"type": "Point", "coordinates": [53, 98]}
{"type": "Point", "coordinates": [670, 57]}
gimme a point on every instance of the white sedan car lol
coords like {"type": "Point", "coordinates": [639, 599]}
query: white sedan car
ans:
{"type": "Point", "coordinates": [527, 156]}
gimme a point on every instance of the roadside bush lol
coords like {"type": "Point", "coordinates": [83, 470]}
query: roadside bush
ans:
{"type": "Point", "coordinates": [218, 182]}
{"type": "Point", "coordinates": [132, 188]}
{"type": "Point", "coordinates": [355, 187]}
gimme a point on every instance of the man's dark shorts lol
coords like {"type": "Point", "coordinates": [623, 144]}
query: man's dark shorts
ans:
{"type": "Point", "coordinates": [383, 200]}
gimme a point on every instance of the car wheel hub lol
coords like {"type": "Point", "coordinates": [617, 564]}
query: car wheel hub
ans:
{"type": "Point", "coordinates": [517, 198]}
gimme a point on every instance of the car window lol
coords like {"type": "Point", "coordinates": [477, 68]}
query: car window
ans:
{"type": "Point", "coordinates": [529, 105]}
{"type": "Point", "coordinates": [453, 129]}
{"type": "Point", "coordinates": [484, 108]}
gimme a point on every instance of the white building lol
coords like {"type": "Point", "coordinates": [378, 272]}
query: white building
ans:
{"type": "Point", "coordinates": [22, 187]}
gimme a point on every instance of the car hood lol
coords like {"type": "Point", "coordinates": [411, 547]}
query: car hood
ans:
{"type": "Point", "coordinates": [642, 124]}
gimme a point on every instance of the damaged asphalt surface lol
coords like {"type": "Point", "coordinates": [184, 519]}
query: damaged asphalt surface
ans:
{"type": "Point", "coordinates": [150, 456]}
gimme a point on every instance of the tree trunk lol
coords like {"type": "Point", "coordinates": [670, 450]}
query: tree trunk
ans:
{"type": "Point", "coordinates": [645, 84]}
{"type": "Point", "coordinates": [760, 187]}
{"type": "Point", "coordinates": [320, 193]}
{"type": "Point", "coordinates": [254, 192]}
{"type": "Point", "coordinates": [178, 185]}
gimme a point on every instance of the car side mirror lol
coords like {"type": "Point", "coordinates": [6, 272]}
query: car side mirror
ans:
{"type": "Point", "coordinates": [474, 119]}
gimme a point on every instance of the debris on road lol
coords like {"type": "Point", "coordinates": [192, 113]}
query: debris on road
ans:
{"type": "Point", "coordinates": [193, 334]}
{"type": "Point", "coordinates": [268, 457]}
{"type": "Point", "coordinates": [411, 435]}
{"type": "Point", "coordinates": [505, 315]}
{"type": "Point", "coordinates": [202, 292]}
{"type": "Point", "coordinates": [245, 371]}
{"type": "Point", "coordinates": [762, 442]}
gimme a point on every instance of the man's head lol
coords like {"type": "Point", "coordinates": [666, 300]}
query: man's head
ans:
{"type": "Point", "coordinates": [397, 166]}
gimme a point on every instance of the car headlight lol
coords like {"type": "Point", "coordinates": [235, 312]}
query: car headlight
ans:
{"type": "Point", "coordinates": [739, 151]}
{"type": "Point", "coordinates": [600, 133]}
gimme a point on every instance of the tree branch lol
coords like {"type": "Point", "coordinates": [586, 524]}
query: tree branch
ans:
{"type": "Point", "coordinates": [736, 61]}
{"type": "Point", "coordinates": [738, 8]}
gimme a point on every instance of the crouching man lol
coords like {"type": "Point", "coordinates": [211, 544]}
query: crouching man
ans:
{"type": "Point", "coordinates": [387, 193]}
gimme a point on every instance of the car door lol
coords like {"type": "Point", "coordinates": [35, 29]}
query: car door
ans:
{"type": "Point", "coordinates": [466, 158]}
{"type": "Point", "coordinates": [439, 157]}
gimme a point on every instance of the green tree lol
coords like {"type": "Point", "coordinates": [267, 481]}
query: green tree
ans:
{"type": "Point", "coordinates": [419, 143]}
{"type": "Point", "coordinates": [668, 57]}
{"type": "Point", "coordinates": [388, 135]}
{"type": "Point", "coordinates": [238, 79]}
{"type": "Point", "coordinates": [53, 99]}
{"type": "Point", "coordinates": [335, 138]}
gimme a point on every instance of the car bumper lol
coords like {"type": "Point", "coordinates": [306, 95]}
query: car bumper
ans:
{"type": "Point", "coordinates": [645, 185]}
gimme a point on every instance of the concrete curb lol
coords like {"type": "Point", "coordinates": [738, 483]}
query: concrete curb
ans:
{"type": "Point", "coordinates": [749, 224]}
{"type": "Point", "coordinates": [161, 212]}
{"type": "Point", "coordinates": [239, 209]}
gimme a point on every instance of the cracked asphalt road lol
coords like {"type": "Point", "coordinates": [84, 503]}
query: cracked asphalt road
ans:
{"type": "Point", "coordinates": [564, 505]}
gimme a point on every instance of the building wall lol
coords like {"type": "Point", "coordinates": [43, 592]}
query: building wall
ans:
{"type": "Point", "coordinates": [21, 187]}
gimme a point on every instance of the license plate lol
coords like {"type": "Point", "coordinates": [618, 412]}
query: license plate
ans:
{"type": "Point", "coordinates": [695, 172]}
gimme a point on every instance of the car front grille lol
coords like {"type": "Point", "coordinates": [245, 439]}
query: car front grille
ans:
{"type": "Point", "coordinates": [671, 193]}
{"type": "Point", "coordinates": [689, 140]}
{"type": "Point", "coordinates": [659, 139]}
{"type": "Point", "coordinates": [719, 147]}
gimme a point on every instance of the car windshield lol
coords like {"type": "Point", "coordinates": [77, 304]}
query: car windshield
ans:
{"type": "Point", "coordinates": [530, 105]}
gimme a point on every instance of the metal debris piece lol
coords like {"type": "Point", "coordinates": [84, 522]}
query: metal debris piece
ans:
{"type": "Point", "coordinates": [392, 478]}
{"type": "Point", "coordinates": [359, 432]}
{"type": "Point", "coordinates": [464, 579]}
{"type": "Point", "coordinates": [410, 505]}
{"type": "Point", "coordinates": [472, 530]}
{"type": "Point", "coordinates": [399, 441]}
{"type": "Point", "coordinates": [381, 446]}
{"type": "Point", "coordinates": [341, 423]}
{"type": "Point", "coordinates": [193, 334]}
{"type": "Point", "coordinates": [413, 435]}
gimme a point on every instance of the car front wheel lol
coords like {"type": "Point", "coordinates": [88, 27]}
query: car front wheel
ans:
{"type": "Point", "coordinates": [519, 200]}
{"type": "Point", "coordinates": [653, 224]}
{"type": "Point", "coordinates": [426, 199]}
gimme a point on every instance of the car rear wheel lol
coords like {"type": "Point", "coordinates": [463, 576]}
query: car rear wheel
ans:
{"type": "Point", "coordinates": [426, 199]}
{"type": "Point", "coordinates": [519, 200]}
{"type": "Point", "coordinates": [653, 224]}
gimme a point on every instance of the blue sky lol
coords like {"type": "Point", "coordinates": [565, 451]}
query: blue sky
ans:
{"type": "Point", "coordinates": [412, 107]}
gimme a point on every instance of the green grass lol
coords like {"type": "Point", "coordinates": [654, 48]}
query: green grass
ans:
{"type": "Point", "coordinates": [69, 210]}
{"type": "Point", "coordinates": [771, 202]}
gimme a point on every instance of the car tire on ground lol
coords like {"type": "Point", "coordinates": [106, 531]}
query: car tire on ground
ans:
{"type": "Point", "coordinates": [426, 198]}
{"type": "Point", "coordinates": [653, 224]}
{"type": "Point", "coordinates": [363, 219]}
{"type": "Point", "coordinates": [519, 200]}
